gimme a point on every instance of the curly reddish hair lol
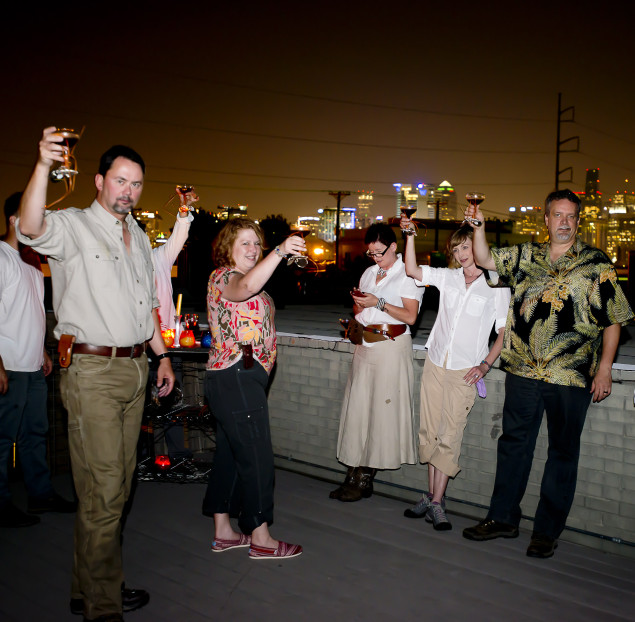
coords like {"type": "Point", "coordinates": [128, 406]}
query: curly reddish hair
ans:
{"type": "Point", "coordinates": [223, 243]}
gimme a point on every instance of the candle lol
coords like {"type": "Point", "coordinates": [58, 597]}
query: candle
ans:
{"type": "Point", "coordinates": [178, 304]}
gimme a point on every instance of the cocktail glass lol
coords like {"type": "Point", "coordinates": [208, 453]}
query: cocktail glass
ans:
{"type": "Point", "coordinates": [475, 199]}
{"type": "Point", "coordinates": [69, 168]}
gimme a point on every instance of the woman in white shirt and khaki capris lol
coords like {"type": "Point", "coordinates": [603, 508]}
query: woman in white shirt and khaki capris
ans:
{"type": "Point", "coordinates": [458, 357]}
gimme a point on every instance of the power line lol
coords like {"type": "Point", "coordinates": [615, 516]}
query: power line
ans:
{"type": "Point", "coordinates": [332, 100]}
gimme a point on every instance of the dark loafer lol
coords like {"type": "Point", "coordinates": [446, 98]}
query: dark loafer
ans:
{"type": "Point", "coordinates": [130, 600]}
{"type": "Point", "coordinates": [489, 529]}
{"type": "Point", "coordinates": [541, 546]}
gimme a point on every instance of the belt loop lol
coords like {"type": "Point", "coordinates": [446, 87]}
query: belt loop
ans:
{"type": "Point", "coordinates": [113, 354]}
{"type": "Point", "coordinates": [132, 350]}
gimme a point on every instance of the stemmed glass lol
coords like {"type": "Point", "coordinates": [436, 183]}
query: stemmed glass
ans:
{"type": "Point", "coordinates": [68, 168]}
{"type": "Point", "coordinates": [183, 190]}
{"type": "Point", "coordinates": [301, 261]}
{"type": "Point", "coordinates": [474, 198]}
{"type": "Point", "coordinates": [408, 211]}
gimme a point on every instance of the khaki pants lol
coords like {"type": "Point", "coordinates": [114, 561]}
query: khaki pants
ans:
{"type": "Point", "coordinates": [446, 402]}
{"type": "Point", "coordinates": [104, 398]}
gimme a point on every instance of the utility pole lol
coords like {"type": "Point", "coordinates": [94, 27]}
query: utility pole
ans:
{"type": "Point", "coordinates": [571, 113]}
{"type": "Point", "coordinates": [338, 195]}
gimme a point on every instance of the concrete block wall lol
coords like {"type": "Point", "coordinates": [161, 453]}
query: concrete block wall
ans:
{"type": "Point", "coordinates": [304, 403]}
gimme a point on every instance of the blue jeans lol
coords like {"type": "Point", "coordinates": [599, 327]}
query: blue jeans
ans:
{"type": "Point", "coordinates": [525, 402]}
{"type": "Point", "coordinates": [241, 482]}
{"type": "Point", "coordinates": [24, 420]}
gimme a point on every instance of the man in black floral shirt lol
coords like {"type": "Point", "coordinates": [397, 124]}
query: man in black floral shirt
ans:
{"type": "Point", "coordinates": [562, 332]}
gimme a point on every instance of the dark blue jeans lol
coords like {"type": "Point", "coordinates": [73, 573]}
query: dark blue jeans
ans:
{"type": "Point", "coordinates": [525, 402]}
{"type": "Point", "coordinates": [241, 482]}
{"type": "Point", "coordinates": [24, 419]}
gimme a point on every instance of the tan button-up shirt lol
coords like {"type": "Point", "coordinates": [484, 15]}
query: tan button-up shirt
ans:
{"type": "Point", "coordinates": [101, 293]}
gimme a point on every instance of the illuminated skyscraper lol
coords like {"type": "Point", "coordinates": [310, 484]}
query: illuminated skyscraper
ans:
{"type": "Point", "coordinates": [364, 203]}
{"type": "Point", "coordinates": [407, 196]}
{"type": "Point", "coordinates": [592, 198]}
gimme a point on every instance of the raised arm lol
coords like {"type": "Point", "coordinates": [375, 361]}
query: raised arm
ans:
{"type": "Point", "coordinates": [410, 258]}
{"type": "Point", "coordinates": [480, 247]}
{"type": "Point", "coordinates": [243, 286]}
{"type": "Point", "coordinates": [32, 223]}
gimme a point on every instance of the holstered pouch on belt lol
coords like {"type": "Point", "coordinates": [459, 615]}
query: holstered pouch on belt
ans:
{"type": "Point", "coordinates": [248, 355]}
{"type": "Point", "coordinates": [355, 332]}
{"type": "Point", "coordinates": [65, 349]}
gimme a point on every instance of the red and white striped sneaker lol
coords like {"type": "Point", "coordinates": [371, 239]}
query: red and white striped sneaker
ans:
{"type": "Point", "coordinates": [284, 551]}
{"type": "Point", "coordinates": [219, 545]}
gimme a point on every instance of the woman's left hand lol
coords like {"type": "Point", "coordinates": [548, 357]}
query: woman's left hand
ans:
{"type": "Point", "coordinates": [475, 374]}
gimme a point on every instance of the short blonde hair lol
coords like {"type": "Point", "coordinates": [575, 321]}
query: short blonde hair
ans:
{"type": "Point", "coordinates": [458, 237]}
{"type": "Point", "coordinates": [223, 243]}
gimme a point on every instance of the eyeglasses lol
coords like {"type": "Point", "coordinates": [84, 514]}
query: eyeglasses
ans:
{"type": "Point", "coordinates": [379, 254]}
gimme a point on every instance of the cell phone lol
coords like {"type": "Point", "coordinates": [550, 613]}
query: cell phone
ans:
{"type": "Point", "coordinates": [357, 292]}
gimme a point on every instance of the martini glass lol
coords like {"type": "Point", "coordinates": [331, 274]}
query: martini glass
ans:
{"type": "Point", "coordinates": [408, 211]}
{"type": "Point", "coordinates": [301, 261]}
{"type": "Point", "coordinates": [475, 199]}
{"type": "Point", "coordinates": [68, 168]}
{"type": "Point", "coordinates": [183, 190]}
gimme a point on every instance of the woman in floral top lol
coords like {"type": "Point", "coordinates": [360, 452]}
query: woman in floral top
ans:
{"type": "Point", "coordinates": [241, 357]}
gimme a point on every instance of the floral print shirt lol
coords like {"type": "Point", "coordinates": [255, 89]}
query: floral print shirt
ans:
{"type": "Point", "coordinates": [558, 311]}
{"type": "Point", "coordinates": [233, 324]}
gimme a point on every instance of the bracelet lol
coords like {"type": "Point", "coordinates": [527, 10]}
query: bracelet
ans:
{"type": "Point", "coordinates": [489, 367]}
{"type": "Point", "coordinates": [381, 303]}
{"type": "Point", "coordinates": [278, 252]}
{"type": "Point", "coordinates": [158, 357]}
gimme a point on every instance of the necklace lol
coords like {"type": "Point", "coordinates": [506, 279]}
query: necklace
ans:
{"type": "Point", "coordinates": [381, 272]}
{"type": "Point", "coordinates": [474, 279]}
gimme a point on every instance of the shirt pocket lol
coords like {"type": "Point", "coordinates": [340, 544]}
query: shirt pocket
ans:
{"type": "Point", "coordinates": [102, 263]}
{"type": "Point", "coordinates": [476, 305]}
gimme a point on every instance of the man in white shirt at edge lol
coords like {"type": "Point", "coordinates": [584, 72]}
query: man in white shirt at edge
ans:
{"type": "Point", "coordinates": [24, 363]}
{"type": "Point", "coordinates": [105, 296]}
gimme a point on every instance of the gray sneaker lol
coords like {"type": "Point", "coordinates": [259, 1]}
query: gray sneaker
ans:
{"type": "Point", "coordinates": [439, 520]}
{"type": "Point", "coordinates": [421, 509]}
{"type": "Point", "coordinates": [428, 519]}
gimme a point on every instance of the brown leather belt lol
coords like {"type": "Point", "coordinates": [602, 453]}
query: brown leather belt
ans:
{"type": "Point", "coordinates": [389, 331]}
{"type": "Point", "coordinates": [131, 352]}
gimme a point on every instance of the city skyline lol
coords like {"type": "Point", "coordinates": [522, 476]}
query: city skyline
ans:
{"type": "Point", "coordinates": [276, 106]}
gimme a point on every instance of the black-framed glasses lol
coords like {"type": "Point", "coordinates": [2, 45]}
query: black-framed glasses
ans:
{"type": "Point", "coordinates": [378, 254]}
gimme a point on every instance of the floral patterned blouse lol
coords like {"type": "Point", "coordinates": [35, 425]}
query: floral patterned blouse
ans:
{"type": "Point", "coordinates": [558, 311]}
{"type": "Point", "coordinates": [233, 324]}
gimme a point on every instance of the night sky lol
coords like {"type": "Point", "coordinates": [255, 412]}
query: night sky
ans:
{"type": "Point", "coordinates": [275, 104]}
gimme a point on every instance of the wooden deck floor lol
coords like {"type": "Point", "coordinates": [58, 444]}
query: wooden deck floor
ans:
{"type": "Point", "coordinates": [362, 561]}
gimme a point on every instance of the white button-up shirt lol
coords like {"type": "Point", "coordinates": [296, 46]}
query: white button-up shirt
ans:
{"type": "Point", "coordinates": [465, 317]}
{"type": "Point", "coordinates": [101, 293]}
{"type": "Point", "coordinates": [392, 288]}
{"type": "Point", "coordinates": [22, 317]}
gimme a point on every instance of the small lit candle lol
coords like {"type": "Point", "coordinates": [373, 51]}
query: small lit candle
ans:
{"type": "Point", "coordinates": [178, 304]}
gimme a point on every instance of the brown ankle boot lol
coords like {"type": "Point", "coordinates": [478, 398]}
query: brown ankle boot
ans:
{"type": "Point", "coordinates": [365, 481]}
{"type": "Point", "coordinates": [351, 476]}
{"type": "Point", "coordinates": [362, 487]}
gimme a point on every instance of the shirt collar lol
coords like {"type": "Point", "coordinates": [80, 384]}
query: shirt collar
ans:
{"type": "Point", "coordinates": [398, 262]}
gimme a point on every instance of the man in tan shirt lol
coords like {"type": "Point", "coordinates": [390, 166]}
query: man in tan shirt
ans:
{"type": "Point", "coordinates": [104, 295]}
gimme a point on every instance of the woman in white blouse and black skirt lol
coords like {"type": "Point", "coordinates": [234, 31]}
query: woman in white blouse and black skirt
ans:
{"type": "Point", "coordinates": [377, 421]}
